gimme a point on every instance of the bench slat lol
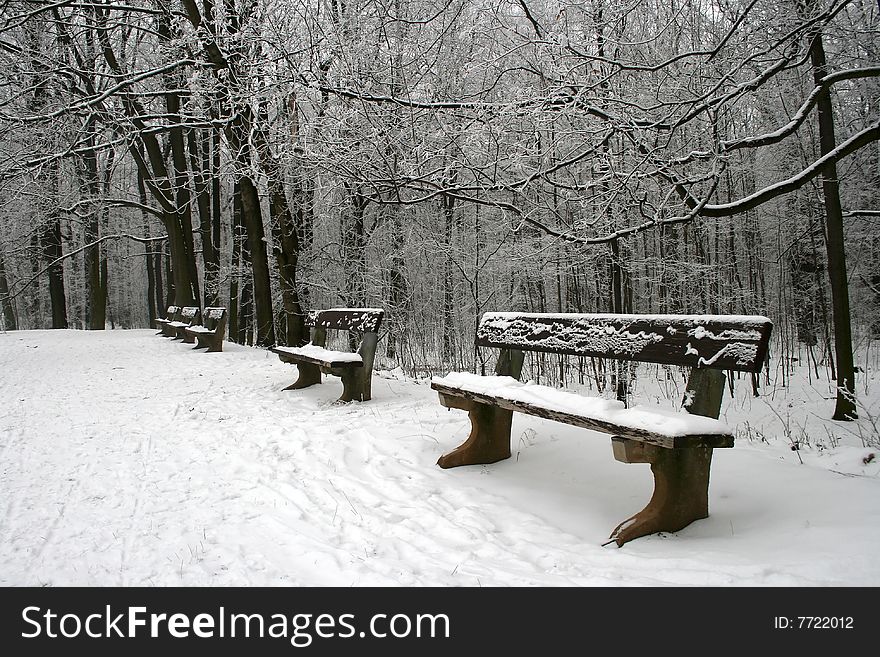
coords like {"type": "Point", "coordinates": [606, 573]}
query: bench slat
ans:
{"type": "Point", "coordinates": [579, 420]}
{"type": "Point", "coordinates": [721, 342]}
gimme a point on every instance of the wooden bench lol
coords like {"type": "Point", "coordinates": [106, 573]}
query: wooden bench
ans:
{"type": "Point", "coordinates": [171, 315]}
{"type": "Point", "coordinates": [189, 316]}
{"type": "Point", "coordinates": [210, 333]}
{"type": "Point", "coordinates": [678, 445]}
{"type": "Point", "coordinates": [354, 368]}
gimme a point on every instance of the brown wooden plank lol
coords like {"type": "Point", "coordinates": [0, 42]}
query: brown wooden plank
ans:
{"type": "Point", "coordinates": [701, 341]}
{"type": "Point", "coordinates": [341, 319]}
{"type": "Point", "coordinates": [641, 435]}
{"type": "Point", "coordinates": [288, 357]}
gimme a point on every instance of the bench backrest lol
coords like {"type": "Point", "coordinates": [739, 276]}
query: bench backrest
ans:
{"type": "Point", "coordinates": [212, 317]}
{"type": "Point", "coordinates": [171, 312]}
{"type": "Point", "coordinates": [725, 342]}
{"type": "Point", "coordinates": [189, 314]}
{"type": "Point", "coordinates": [366, 320]}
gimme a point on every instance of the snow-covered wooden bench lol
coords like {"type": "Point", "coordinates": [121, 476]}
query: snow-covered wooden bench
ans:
{"type": "Point", "coordinates": [189, 316]}
{"type": "Point", "coordinates": [171, 315]}
{"type": "Point", "coordinates": [678, 445]}
{"type": "Point", "coordinates": [210, 332]}
{"type": "Point", "coordinates": [354, 368]}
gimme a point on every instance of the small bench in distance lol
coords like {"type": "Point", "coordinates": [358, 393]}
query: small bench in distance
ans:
{"type": "Point", "coordinates": [211, 332]}
{"type": "Point", "coordinates": [189, 316]}
{"type": "Point", "coordinates": [354, 368]}
{"type": "Point", "coordinates": [171, 315]}
{"type": "Point", "coordinates": [678, 445]}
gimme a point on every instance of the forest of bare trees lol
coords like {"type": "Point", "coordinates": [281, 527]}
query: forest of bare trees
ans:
{"type": "Point", "coordinates": [440, 158]}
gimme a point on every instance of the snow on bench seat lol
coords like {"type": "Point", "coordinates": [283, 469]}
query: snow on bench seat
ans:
{"type": "Point", "coordinates": [199, 329]}
{"type": "Point", "coordinates": [178, 324]}
{"type": "Point", "coordinates": [328, 357]}
{"type": "Point", "coordinates": [663, 427]}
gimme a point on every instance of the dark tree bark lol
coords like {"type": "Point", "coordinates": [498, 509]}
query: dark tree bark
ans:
{"type": "Point", "coordinates": [51, 243]}
{"type": "Point", "coordinates": [286, 225]}
{"type": "Point", "coordinates": [448, 205]}
{"type": "Point", "coordinates": [398, 294]}
{"type": "Point", "coordinates": [238, 130]}
{"type": "Point", "coordinates": [845, 408]}
{"type": "Point", "coordinates": [200, 163]}
{"type": "Point", "coordinates": [49, 238]}
{"type": "Point", "coordinates": [170, 296]}
{"type": "Point", "coordinates": [168, 188]}
{"type": "Point", "coordinates": [9, 320]}
{"type": "Point", "coordinates": [241, 288]}
{"type": "Point", "coordinates": [152, 263]}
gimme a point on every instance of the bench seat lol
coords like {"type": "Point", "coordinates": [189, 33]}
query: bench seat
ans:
{"type": "Point", "coordinates": [178, 324]}
{"type": "Point", "coordinates": [658, 426]}
{"type": "Point", "coordinates": [315, 355]}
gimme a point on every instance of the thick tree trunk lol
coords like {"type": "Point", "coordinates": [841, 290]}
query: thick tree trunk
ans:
{"type": "Point", "coordinates": [95, 306]}
{"type": "Point", "coordinates": [259, 258]}
{"type": "Point", "coordinates": [152, 263]}
{"type": "Point", "coordinates": [170, 294]}
{"type": "Point", "coordinates": [200, 163]}
{"type": "Point", "coordinates": [845, 408]}
{"type": "Point", "coordinates": [287, 223]}
{"type": "Point", "coordinates": [51, 243]}
{"type": "Point", "coordinates": [8, 310]}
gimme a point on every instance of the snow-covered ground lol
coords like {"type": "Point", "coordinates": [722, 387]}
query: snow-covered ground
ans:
{"type": "Point", "coordinates": [129, 459]}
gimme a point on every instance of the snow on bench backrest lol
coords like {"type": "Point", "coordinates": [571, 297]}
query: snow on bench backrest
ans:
{"type": "Point", "coordinates": [340, 319]}
{"type": "Point", "coordinates": [214, 313]}
{"type": "Point", "coordinates": [190, 311]}
{"type": "Point", "coordinates": [728, 342]}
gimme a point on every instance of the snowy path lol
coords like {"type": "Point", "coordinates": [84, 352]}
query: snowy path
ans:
{"type": "Point", "coordinates": [128, 459]}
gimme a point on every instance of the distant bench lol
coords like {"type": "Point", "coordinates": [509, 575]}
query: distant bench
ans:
{"type": "Point", "coordinates": [188, 316]}
{"type": "Point", "coordinates": [354, 368]}
{"type": "Point", "coordinates": [210, 333]}
{"type": "Point", "coordinates": [678, 445]}
{"type": "Point", "coordinates": [172, 314]}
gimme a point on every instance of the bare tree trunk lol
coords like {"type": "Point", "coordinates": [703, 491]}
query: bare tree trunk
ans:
{"type": "Point", "coordinates": [448, 205]}
{"type": "Point", "coordinates": [845, 408]}
{"type": "Point", "coordinates": [51, 243]}
{"type": "Point", "coordinates": [286, 224]}
{"type": "Point", "coordinates": [94, 306]}
{"type": "Point", "coordinates": [170, 296]}
{"type": "Point", "coordinates": [200, 164]}
{"type": "Point", "coordinates": [398, 292]}
{"type": "Point", "coordinates": [152, 262]}
{"type": "Point", "coordinates": [9, 320]}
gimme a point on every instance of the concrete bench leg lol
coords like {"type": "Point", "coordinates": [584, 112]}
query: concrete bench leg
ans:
{"type": "Point", "coordinates": [489, 440]}
{"type": "Point", "coordinates": [681, 476]}
{"type": "Point", "coordinates": [353, 388]}
{"type": "Point", "coordinates": [215, 344]}
{"type": "Point", "coordinates": [188, 339]}
{"type": "Point", "coordinates": [681, 488]}
{"type": "Point", "coordinates": [309, 375]}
